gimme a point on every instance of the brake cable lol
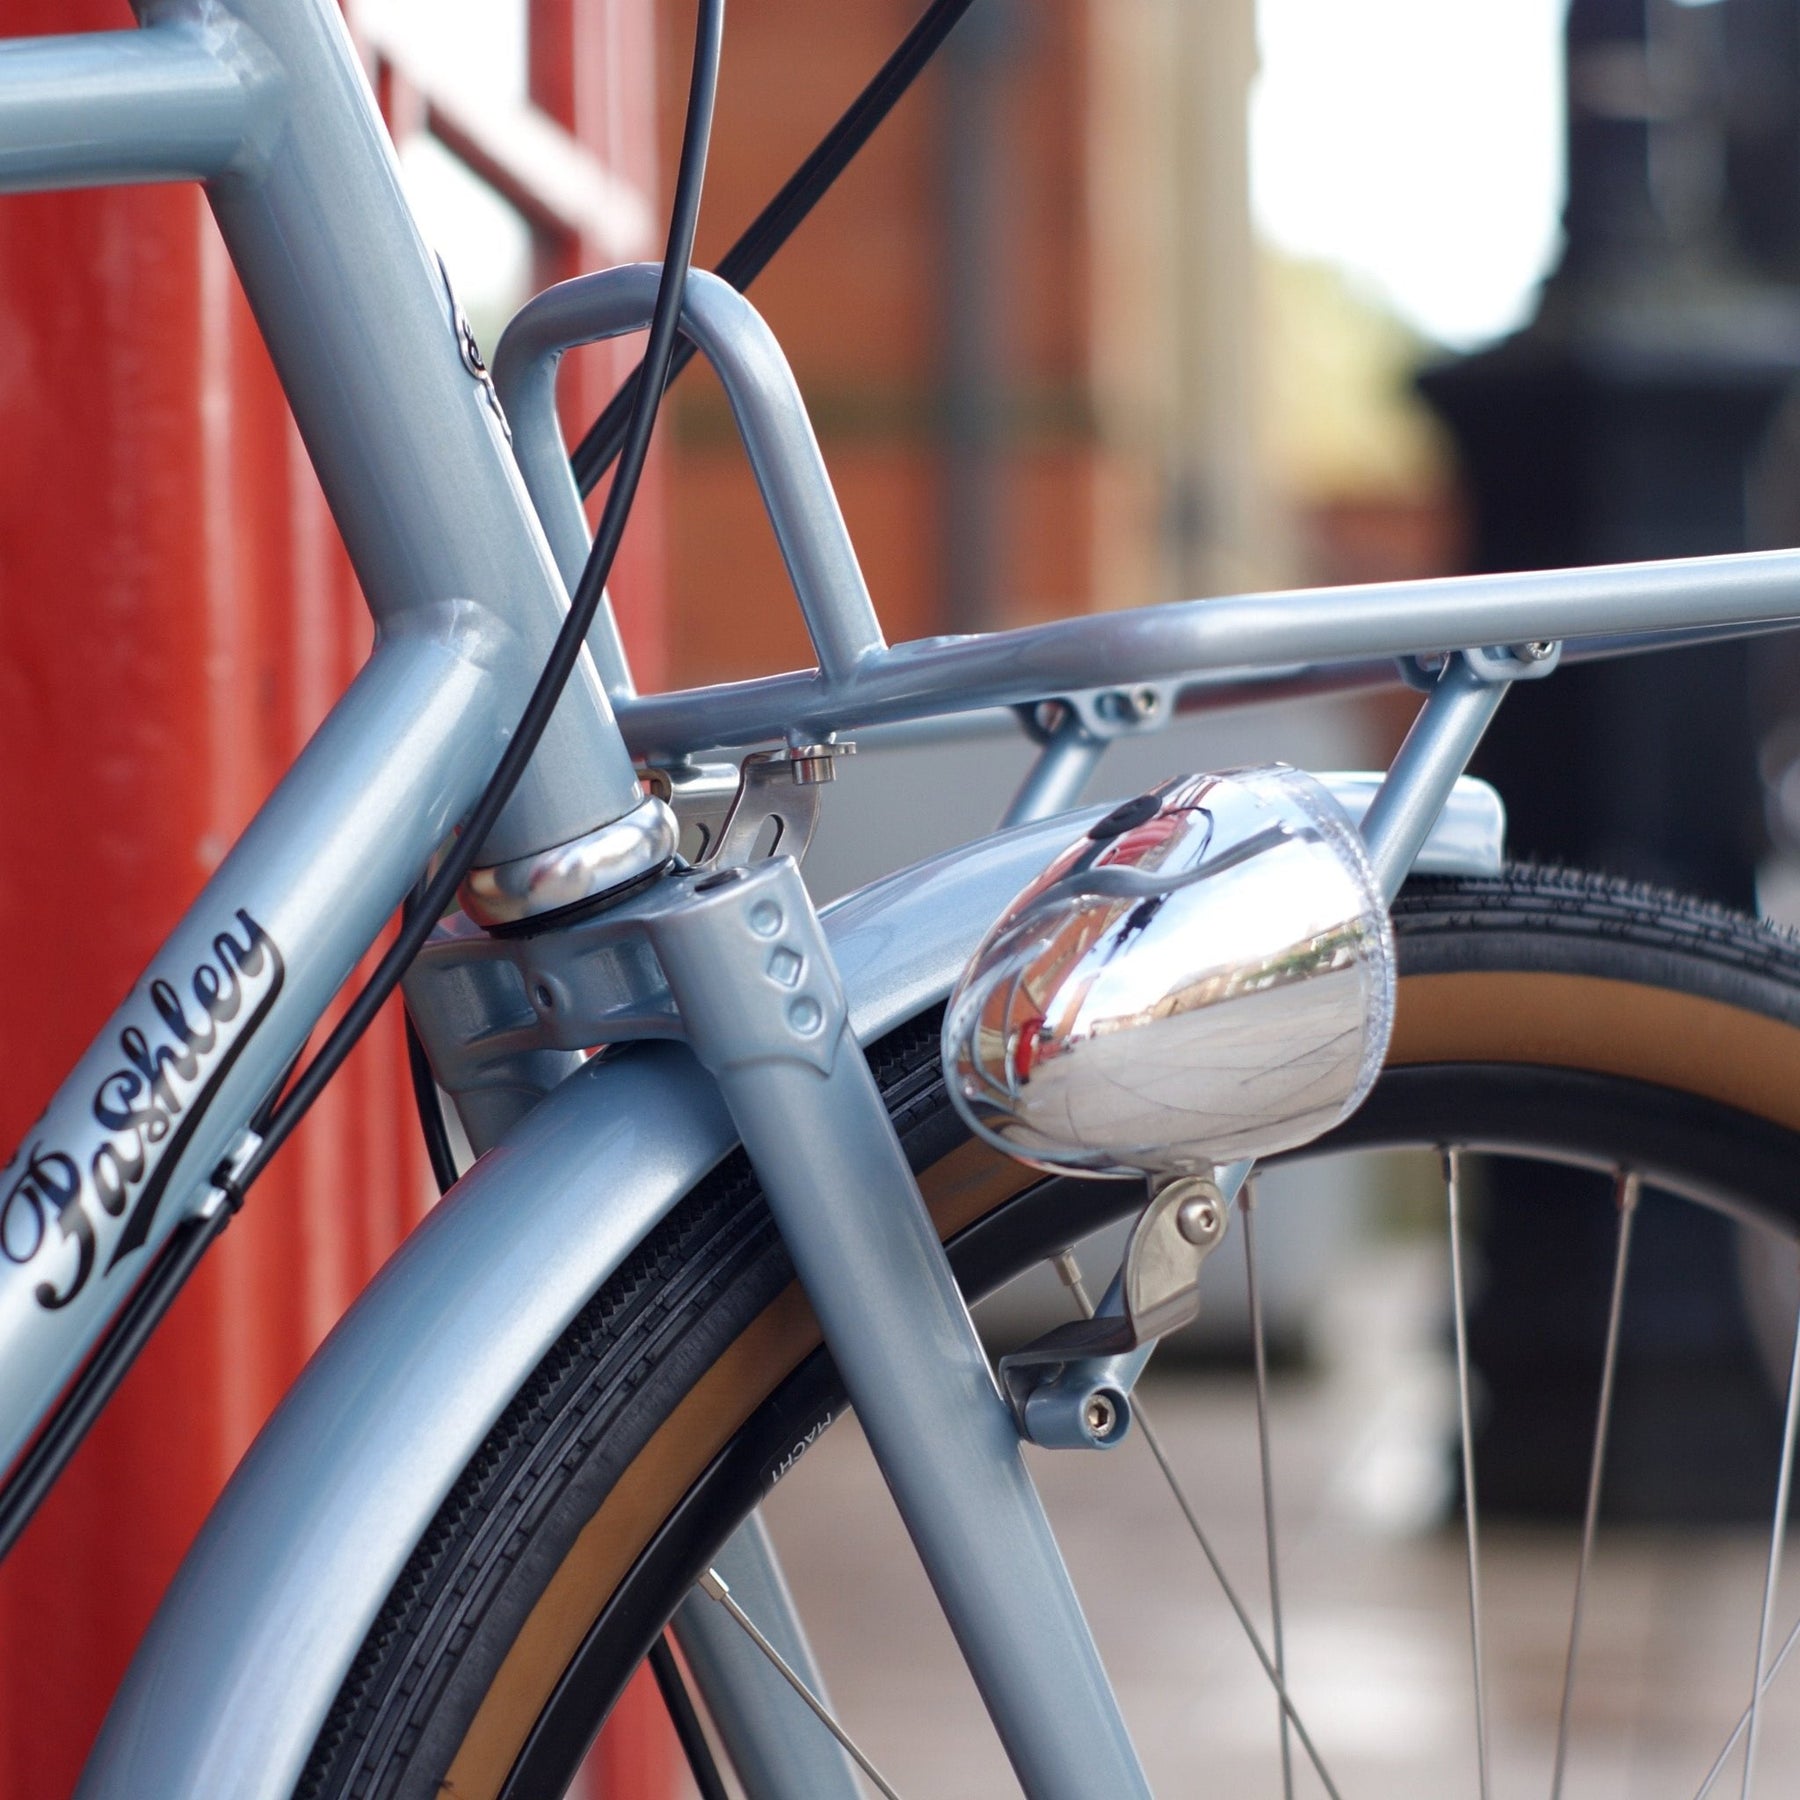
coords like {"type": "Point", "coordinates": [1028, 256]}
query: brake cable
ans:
{"type": "Point", "coordinates": [419, 919]}
{"type": "Point", "coordinates": [740, 265]}
{"type": "Point", "coordinates": [275, 1120]}
{"type": "Point", "coordinates": [776, 223]}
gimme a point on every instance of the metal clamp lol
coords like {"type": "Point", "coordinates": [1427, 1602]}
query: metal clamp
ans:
{"type": "Point", "coordinates": [701, 795]}
{"type": "Point", "coordinates": [1174, 1235]}
{"type": "Point", "coordinates": [1498, 663]}
{"type": "Point", "coordinates": [1105, 713]}
{"type": "Point", "coordinates": [1071, 1388]}
{"type": "Point", "coordinates": [730, 808]}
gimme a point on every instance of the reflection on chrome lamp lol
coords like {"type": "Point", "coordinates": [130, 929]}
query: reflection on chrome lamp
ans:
{"type": "Point", "coordinates": [1208, 974]}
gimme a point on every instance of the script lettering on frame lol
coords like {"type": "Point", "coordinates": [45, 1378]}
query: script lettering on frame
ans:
{"type": "Point", "coordinates": [142, 1116]}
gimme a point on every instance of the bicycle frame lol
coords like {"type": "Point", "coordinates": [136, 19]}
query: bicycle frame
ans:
{"type": "Point", "coordinates": [264, 102]}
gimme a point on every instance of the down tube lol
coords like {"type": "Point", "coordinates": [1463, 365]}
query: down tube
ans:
{"type": "Point", "coordinates": [125, 1149]}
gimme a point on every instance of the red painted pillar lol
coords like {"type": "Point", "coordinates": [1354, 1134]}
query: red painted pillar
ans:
{"type": "Point", "coordinates": [176, 615]}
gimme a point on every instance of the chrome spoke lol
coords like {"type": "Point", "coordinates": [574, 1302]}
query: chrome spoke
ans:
{"type": "Point", "coordinates": [1777, 1532]}
{"type": "Point", "coordinates": [714, 1588]}
{"type": "Point", "coordinates": [1452, 1194]}
{"type": "Point", "coordinates": [1237, 1606]}
{"type": "Point", "coordinates": [1626, 1195]}
{"type": "Point", "coordinates": [1259, 1361]}
{"type": "Point", "coordinates": [1070, 1271]}
{"type": "Point", "coordinates": [1743, 1722]}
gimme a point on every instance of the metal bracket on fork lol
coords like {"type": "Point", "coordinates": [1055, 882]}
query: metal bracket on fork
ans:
{"type": "Point", "coordinates": [729, 807]}
{"type": "Point", "coordinates": [1071, 1388]}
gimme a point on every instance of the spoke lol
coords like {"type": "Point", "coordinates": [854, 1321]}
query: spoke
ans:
{"type": "Point", "coordinates": [1259, 1358]}
{"type": "Point", "coordinates": [1743, 1723]}
{"type": "Point", "coordinates": [1070, 1271]}
{"type": "Point", "coordinates": [712, 1585]}
{"type": "Point", "coordinates": [1626, 1194]}
{"type": "Point", "coordinates": [1452, 1195]}
{"type": "Point", "coordinates": [1777, 1530]}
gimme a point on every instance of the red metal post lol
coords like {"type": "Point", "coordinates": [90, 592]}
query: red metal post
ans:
{"type": "Point", "coordinates": [176, 615]}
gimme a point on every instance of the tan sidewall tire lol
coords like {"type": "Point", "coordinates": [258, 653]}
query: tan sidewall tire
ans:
{"type": "Point", "coordinates": [1737, 1045]}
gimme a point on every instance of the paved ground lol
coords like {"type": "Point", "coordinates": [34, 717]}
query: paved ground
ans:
{"type": "Point", "coordinates": [1375, 1594]}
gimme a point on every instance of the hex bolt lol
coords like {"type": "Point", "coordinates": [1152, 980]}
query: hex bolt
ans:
{"type": "Point", "coordinates": [1100, 1415]}
{"type": "Point", "coordinates": [815, 764]}
{"type": "Point", "coordinates": [1198, 1218]}
{"type": "Point", "coordinates": [1539, 650]}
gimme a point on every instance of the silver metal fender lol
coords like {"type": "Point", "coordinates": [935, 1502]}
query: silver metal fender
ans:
{"type": "Point", "coordinates": [239, 1667]}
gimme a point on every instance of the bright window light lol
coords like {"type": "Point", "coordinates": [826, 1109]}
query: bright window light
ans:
{"type": "Point", "coordinates": [1418, 145]}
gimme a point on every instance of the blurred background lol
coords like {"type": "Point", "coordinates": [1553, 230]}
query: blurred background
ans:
{"type": "Point", "coordinates": [1132, 300]}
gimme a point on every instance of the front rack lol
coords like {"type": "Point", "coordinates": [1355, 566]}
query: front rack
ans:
{"type": "Point", "coordinates": [1221, 652]}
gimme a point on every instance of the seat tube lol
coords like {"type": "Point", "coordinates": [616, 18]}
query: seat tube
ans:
{"type": "Point", "coordinates": [763, 1009]}
{"type": "Point", "coordinates": [394, 405]}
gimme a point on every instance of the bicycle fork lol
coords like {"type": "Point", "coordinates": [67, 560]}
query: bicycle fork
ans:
{"type": "Point", "coordinates": [763, 1010]}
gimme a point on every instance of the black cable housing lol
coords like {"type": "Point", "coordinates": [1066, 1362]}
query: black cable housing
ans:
{"type": "Point", "coordinates": [417, 925]}
{"type": "Point", "coordinates": [741, 264]}
{"type": "Point", "coordinates": [686, 1720]}
{"type": "Point", "coordinates": [431, 1110]}
{"type": "Point", "coordinates": [777, 222]}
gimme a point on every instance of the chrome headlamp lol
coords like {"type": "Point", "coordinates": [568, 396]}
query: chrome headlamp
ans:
{"type": "Point", "coordinates": [1207, 974]}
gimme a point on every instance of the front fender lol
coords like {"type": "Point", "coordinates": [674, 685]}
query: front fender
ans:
{"type": "Point", "coordinates": [232, 1681]}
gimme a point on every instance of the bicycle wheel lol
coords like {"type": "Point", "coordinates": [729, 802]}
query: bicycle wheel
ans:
{"type": "Point", "coordinates": [1544, 1013]}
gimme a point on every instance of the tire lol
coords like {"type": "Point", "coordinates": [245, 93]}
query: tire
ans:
{"type": "Point", "coordinates": [1545, 1011]}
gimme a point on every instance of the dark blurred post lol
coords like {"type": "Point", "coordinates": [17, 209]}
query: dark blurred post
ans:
{"type": "Point", "coordinates": [1626, 421]}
